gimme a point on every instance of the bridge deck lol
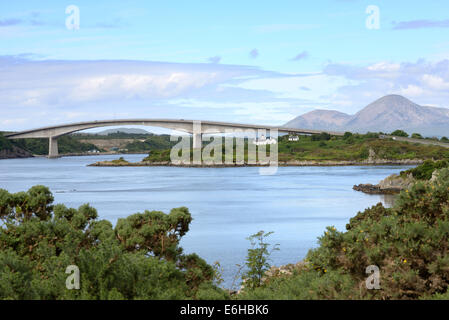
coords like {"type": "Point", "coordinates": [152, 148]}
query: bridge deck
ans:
{"type": "Point", "coordinates": [175, 124]}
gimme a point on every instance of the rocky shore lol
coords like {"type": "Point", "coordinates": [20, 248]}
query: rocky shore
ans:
{"type": "Point", "coordinates": [390, 185]}
{"type": "Point", "coordinates": [375, 189]}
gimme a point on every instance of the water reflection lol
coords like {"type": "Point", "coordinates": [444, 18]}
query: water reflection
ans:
{"type": "Point", "coordinates": [389, 200]}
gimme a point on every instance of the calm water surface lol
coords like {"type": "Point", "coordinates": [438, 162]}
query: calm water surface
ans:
{"type": "Point", "coordinates": [227, 204]}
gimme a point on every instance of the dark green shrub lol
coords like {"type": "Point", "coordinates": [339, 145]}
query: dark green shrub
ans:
{"type": "Point", "coordinates": [372, 135]}
{"type": "Point", "coordinates": [399, 133]}
{"type": "Point", "coordinates": [323, 136]}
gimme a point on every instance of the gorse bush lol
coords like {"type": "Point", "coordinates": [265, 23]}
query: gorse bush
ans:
{"type": "Point", "coordinates": [138, 259]}
{"type": "Point", "coordinates": [409, 243]}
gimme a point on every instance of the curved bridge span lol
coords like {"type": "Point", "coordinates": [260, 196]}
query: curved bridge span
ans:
{"type": "Point", "coordinates": [194, 127]}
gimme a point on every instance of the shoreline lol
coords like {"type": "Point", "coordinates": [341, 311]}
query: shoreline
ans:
{"type": "Point", "coordinates": [88, 154]}
{"type": "Point", "coordinates": [369, 188]}
{"type": "Point", "coordinates": [63, 155]}
{"type": "Point", "coordinates": [296, 163]}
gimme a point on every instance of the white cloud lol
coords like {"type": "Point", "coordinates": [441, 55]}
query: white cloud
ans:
{"type": "Point", "coordinates": [51, 92]}
{"type": "Point", "coordinates": [426, 82]}
{"type": "Point", "coordinates": [384, 66]}
{"type": "Point", "coordinates": [411, 91]}
{"type": "Point", "coordinates": [435, 82]}
{"type": "Point", "coordinates": [131, 86]}
{"type": "Point", "coordinates": [53, 83]}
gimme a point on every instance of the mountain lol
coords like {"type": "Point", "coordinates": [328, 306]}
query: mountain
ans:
{"type": "Point", "coordinates": [385, 114]}
{"type": "Point", "coordinates": [329, 119]}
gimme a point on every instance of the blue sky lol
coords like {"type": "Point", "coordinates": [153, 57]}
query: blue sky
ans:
{"type": "Point", "coordinates": [242, 61]}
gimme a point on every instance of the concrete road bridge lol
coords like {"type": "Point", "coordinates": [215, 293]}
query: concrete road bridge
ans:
{"type": "Point", "coordinates": [195, 127]}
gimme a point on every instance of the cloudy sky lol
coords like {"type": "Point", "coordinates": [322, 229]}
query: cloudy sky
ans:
{"type": "Point", "coordinates": [242, 61]}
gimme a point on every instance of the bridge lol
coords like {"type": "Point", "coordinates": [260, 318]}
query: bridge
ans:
{"type": "Point", "coordinates": [195, 127]}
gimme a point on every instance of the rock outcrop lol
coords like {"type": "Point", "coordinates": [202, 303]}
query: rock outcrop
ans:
{"type": "Point", "coordinates": [390, 185]}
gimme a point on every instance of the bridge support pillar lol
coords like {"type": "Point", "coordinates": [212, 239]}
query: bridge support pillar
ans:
{"type": "Point", "coordinates": [197, 140]}
{"type": "Point", "coordinates": [53, 148]}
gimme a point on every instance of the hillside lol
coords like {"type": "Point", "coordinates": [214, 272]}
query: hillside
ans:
{"type": "Point", "coordinates": [83, 143]}
{"type": "Point", "coordinates": [25, 148]}
{"type": "Point", "coordinates": [122, 130]}
{"type": "Point", "coordinates": [385, 115]}
{"type": "Point", "coordinates": [10, 151]}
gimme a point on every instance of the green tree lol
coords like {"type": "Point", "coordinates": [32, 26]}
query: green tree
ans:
{"type": "Point", "coordinates": [399, 133]}
{"type": "Point", "coordinates": [347, 135]}
{"type": "Point", "coordinates": [257, 259]}
{"type": "Point", "coordinates": [417, 136]}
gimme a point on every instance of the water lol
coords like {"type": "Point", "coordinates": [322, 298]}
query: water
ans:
{"type": "Point", "coordinates": [227, 204]}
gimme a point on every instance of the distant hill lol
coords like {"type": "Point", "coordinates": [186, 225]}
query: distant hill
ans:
{"type": "Point", "coordinates": [385, 114]}
{"type": "Point", "coordinates": [322, 119]}
{"type": "Point", "coordinates": [123, 130]}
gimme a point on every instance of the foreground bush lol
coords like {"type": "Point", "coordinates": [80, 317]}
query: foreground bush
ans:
{"type": "Point", "coordinates": [138, 259]}
{"type": "Point", "coordinates": [409, 243]}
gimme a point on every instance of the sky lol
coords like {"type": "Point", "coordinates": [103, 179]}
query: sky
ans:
{"type": "Point", "coordinates": [262, 62]}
